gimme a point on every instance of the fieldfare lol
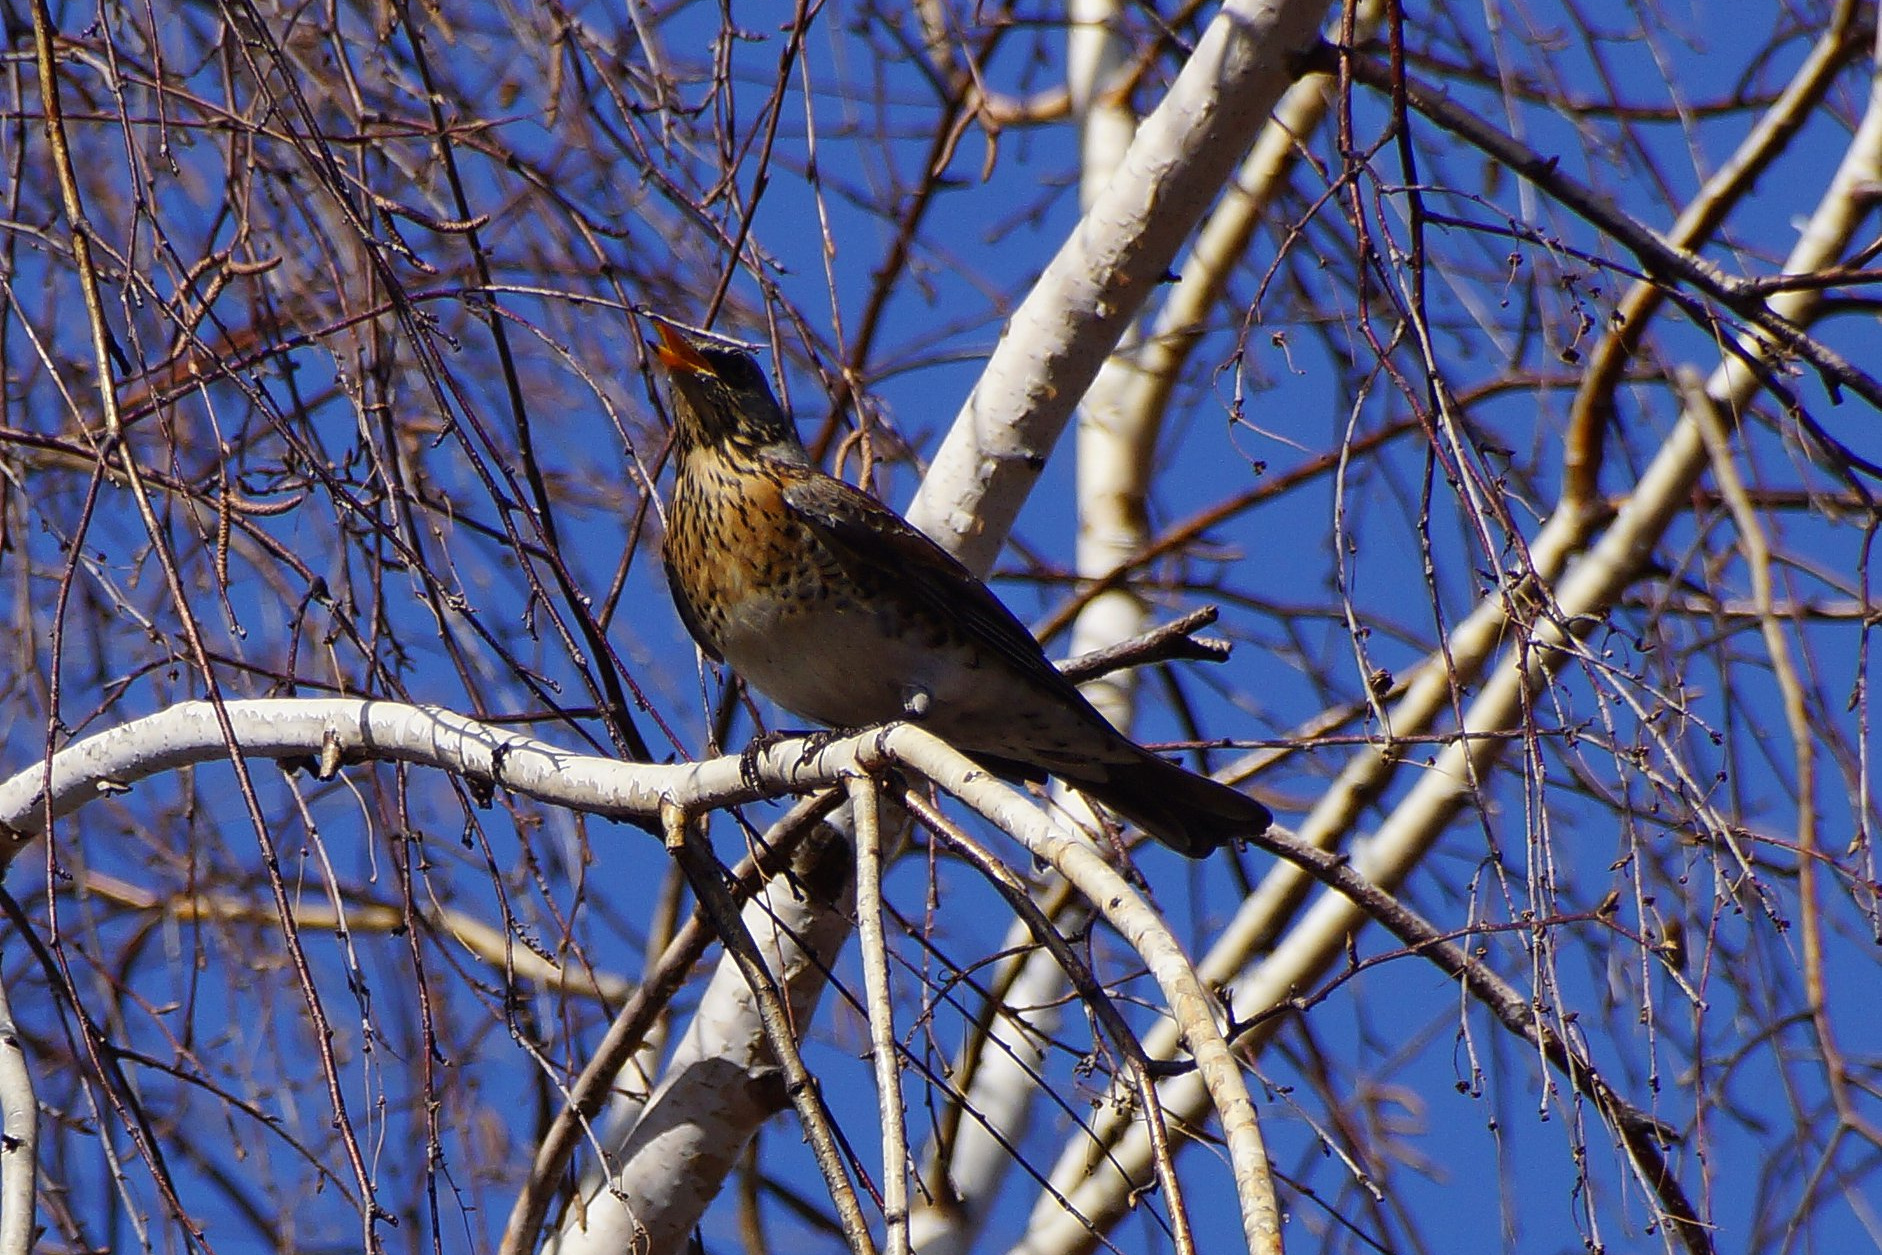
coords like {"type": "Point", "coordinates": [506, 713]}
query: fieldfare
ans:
{"type": "Point", "coordinates": [840, 611]}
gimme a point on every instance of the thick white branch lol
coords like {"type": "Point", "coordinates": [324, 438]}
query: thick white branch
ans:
{"type": "Point", "coordinates": [331, 732]}
{"type": "Point", "coordinates": [668, 1162]}
{"type": "Point", "coordinates": [350, 729]}
{"type": "Point", "coordinates": [1181, 158]}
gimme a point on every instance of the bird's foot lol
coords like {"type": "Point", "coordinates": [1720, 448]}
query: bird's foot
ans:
{"type": "Point", "coordinates": [752, 757]}
{"type": "Point", "coordinates": [916, 704]}
{"type": "Point", "coordinates": [814, 742]}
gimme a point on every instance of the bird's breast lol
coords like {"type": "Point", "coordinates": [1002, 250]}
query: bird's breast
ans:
{"type": "Point", "coordinates": [850, 647]}
{"type": "Point", "coordinates": [769, 598]}
{"type": "Point", "coordinates": [729, 539]}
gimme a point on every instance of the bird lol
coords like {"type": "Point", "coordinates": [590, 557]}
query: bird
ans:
{"type": "Point", "coordinates": [842, 612]}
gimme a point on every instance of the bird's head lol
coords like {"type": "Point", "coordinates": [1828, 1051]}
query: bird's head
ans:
{"type": "Point", "coordinates": [721, 397]}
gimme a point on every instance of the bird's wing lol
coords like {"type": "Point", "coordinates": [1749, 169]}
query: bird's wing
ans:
{"type": "Point", "coordinates": [881, 547]}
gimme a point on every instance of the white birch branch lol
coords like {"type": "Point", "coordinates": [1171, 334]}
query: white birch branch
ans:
{"type": "Point", "coordinates": [1589, 591]}
{"type": "Point", "coordinates": [19, 1138]}
{"type": "Point", "coordinates": [353, 729]}
{"type": "Point", "coordinates": [720, 1086]}
{"type": "Point", "coordinates": [1001, 1067]}
{"type": "Point", "coordinates": [1120, 419]}
{"type": "Point", "coordinates": [334, 731]}
{"type": "Point", "coordinates": [873, 938]}
{"type": "Point", "coordinates": [1182, 156]}
{"type": "Point", "coordinates": [1143, 928]}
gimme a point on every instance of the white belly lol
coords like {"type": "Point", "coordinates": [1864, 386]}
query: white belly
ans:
{"type": "Point", "coordinates": [840, 666]}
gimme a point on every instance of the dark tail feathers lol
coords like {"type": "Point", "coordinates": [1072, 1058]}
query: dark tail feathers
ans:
{"type": "Point", "coordinates": [1191, 814]}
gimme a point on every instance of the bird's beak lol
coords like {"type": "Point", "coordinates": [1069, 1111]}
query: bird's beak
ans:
{"type": "Point", "coordinates": [677, 353]}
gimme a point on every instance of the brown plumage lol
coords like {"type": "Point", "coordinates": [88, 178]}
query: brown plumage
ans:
{"type": "Point", "coordinates": [833, 606]}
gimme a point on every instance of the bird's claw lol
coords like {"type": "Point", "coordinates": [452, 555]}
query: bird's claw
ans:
{"type": "Point", "coordinates": [751, 759]}
{"type": "Point", "coordinates": [816, 742]}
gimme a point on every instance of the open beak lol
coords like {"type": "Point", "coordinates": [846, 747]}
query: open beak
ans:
{"type": "Point", "coordinates": [678, 354]}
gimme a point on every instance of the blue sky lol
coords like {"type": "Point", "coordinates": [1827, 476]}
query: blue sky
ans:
{"type": "Point", "coordinates": [1388, 1050]}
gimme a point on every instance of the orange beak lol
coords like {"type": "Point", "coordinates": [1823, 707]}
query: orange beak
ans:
{"type": "Point", "coordinates": [677, 353]}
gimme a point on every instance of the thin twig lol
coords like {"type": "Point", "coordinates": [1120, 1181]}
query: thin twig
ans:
{"type": "Point", "coordinates": [1797, 716]}
{"type": "Point", "coordinates": [1167, 643]}
{"type": "Point", "coordinates": [1643, 1135]}
{"type": "Point", "coordinates": [1660, 257]}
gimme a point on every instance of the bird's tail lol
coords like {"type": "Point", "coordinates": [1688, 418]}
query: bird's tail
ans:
{"type": "Point", "coordinates": [1191, 814]}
